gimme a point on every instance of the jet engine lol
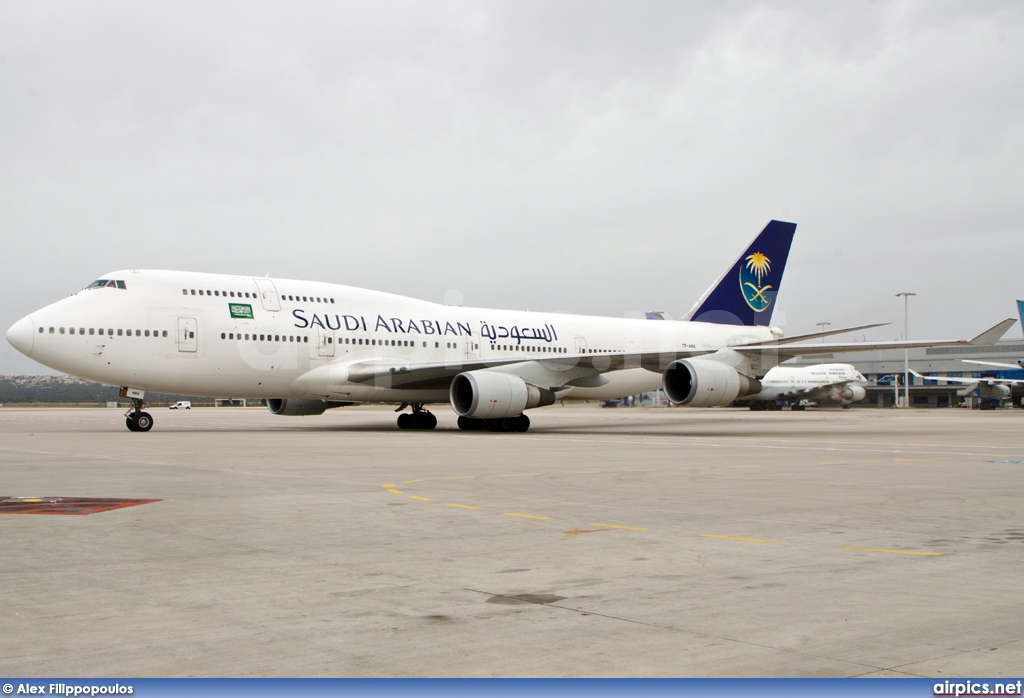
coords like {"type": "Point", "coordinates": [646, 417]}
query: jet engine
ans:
{"type": "Point", "coordinates": [999, 390]}
{"type": "Point", "coordinates": [851, 393]}
{"type": "Point", "coordinates": [493, 395]}
{"type": "Point", "coordinates": [703, 383]}
{"type": "Point", "coordinates": [300, 408]}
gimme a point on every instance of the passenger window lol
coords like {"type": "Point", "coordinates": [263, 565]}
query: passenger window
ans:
{"type": "Point", "coordinates": [92, 331]}
{"type": "Point", "coordinates": [191, 335]}
{"type": "Point", "coordinates": [110, 332]}
{"type": "Point", "coordinates": [164, 333]}
{"type": "Point", "coordinates": [277, 338]}
{"type": "Point", "coordinates": [120, 332]}
{"type": "Point", "coordinates": [222, 336]}
{"type": "Point", "coordinates": [193, 292]}
{"type": "Point", "coordinates": [184, 291]}
{"type": "Point", "coordinates": [200, 292]}
{"type": "Point", "coordinates": [216, 293]}
{"type": "Point", "coordinates": [40, 330]}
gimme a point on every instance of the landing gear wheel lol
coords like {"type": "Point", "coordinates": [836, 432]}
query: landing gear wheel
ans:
{"type": "Point", "coordinates": [471, 424]}
{"type": "Point", "coordinates": [143, 421]}
{"type": "Point", "coordinates": [424, 420]}
{"type": "Point", "coordinates": [130, 423]}
{"type": "Point", "coordinates": [521, 423]}
{"type": "Point", "coordinates": [405, 421]}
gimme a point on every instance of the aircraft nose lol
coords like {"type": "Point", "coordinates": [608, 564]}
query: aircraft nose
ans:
{"type": "Point", "coordinates": [20, 335]}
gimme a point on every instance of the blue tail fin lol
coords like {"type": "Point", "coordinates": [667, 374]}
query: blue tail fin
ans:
{"type": "Point", "coordinates": [1020, 311]}
{"type": "Point", "coordinates": [745, 293]}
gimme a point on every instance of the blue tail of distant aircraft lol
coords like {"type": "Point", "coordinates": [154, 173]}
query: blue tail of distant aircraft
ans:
{"type": "Point", "coordinates": [745, 293]}
{"type": "Point", "coordinates": [1020, 311]}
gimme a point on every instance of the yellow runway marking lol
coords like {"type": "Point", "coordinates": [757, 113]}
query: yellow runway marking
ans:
{"type": "Point", "coordinates": [647, 470]}
{"type": "Point", "coordinates": [461, 506]}
{"type": "Point", "coordinates": [422, 499]}
{"type": "Point", "coordinates": [895, 552]}
{"type": "Point", "coordinates": [405, 482]}
{"type": "Point", "coordinates": [624, 528]}
{"type": "Point", "coordinates": [528, 516]}
{"type": "Point", "coordinates": [748, 540]}
{"type": "Point", "coordinates": [522, 475]}
{"type": "Point", "coordinates": [459, 477]}
{"type": "Point", "coordinates": [394, 491]}
{"type": "Point", "coordinates": [388, 485]}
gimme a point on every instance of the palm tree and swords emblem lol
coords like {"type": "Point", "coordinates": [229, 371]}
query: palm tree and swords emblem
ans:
{"type": "Point", "coordinates": [755, 268]}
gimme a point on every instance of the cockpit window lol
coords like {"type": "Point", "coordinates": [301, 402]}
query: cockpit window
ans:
{"type": "Point", "coordinates": [111, 283]}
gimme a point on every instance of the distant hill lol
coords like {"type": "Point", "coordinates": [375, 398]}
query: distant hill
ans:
{"type": "Point", "coordinates": [65, 389]}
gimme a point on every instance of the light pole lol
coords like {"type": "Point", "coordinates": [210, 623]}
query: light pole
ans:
{"type": "Point", "coordinates": [823, 325]}
{"type": "Point", "coordinates": [906, 352]}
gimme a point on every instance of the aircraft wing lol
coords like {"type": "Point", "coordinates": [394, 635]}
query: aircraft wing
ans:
{"type": "Point", "coordinates": [1011, 367]}
{"type": "Point", "coordinates": [972, 381]}
{"type": "Point", "coordinates": [986, 338]}
{"type": "Point", "coordinates": [438, 374]}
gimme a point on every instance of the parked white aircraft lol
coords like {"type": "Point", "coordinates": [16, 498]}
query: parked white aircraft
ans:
{"type": "Point", "coordinates": [991, 387]}
{"type": "Point", "coordinates": [309, 346]}
{"type": "Point", "coordinates": [839, 384]}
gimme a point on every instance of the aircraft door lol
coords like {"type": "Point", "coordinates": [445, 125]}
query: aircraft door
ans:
{"type": "Point", "coordinates": [324, 342]}
{"type": "Point", "coordinates": [471, 348]}
{"type": "Point", "coordinates": [188, 341]}
{"type": "Point", "coordinates": [581, 345]}
{"type": "Point", "coordinates": [268, 294]}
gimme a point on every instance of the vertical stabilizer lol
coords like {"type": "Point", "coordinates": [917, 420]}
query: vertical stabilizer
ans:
{"type": "Point", "coordinates": [1020, 311]}
{"type": "Point", "coordinates": [745, 293]}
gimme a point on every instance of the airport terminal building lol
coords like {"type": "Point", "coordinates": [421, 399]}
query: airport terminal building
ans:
{"type": "Point", "coordinates": [884, 369]}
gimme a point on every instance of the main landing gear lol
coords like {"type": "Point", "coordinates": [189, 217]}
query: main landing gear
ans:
{"type": "Point", "coordinates": [419, 419]}
{"type": "Point", "coordinates": [136, 419]}
{"type": "Point", "coordinates": [520, 423]}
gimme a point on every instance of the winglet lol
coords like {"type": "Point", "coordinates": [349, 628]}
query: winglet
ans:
{"type": "Point", "coordinates": [992, 335]}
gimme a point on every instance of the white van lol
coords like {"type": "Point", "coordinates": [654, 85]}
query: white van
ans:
{"type": "Point", "coordinates": [182, 405]}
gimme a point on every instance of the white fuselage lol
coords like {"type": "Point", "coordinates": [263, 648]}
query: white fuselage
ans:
{"type": "Point", "coordinates": [819, 382]}
{"type": "Point", "coordinates": [216, 335]}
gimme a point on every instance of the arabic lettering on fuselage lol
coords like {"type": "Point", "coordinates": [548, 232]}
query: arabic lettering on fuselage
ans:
{"type": "Point", "coordinates": [423, 326]}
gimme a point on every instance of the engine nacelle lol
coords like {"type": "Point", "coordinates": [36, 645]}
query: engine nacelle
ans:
{"type": "Point", "coordinates": [852, 393]}
{"type": "Point", "coordinates": [702, 383]}
{"type": "Point", "coordinates": [299, 408]}
{"type": "Point", "coordinates": [493, 395]}
{"type": "Point", "coordinates": [999, 390]}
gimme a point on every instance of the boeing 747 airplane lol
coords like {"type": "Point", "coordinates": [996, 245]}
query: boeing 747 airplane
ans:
{"type": "Point", "coordinates": [308, 346]}
{"type": "Point", "coordinates": [839, 384]}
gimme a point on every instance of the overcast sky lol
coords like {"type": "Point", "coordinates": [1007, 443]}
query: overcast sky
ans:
{"type": "Point", "coordinates": [595, 157]}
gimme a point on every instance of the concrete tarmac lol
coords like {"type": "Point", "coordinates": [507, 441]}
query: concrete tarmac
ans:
{"type": "Point", "coordinates": [604, 542]}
